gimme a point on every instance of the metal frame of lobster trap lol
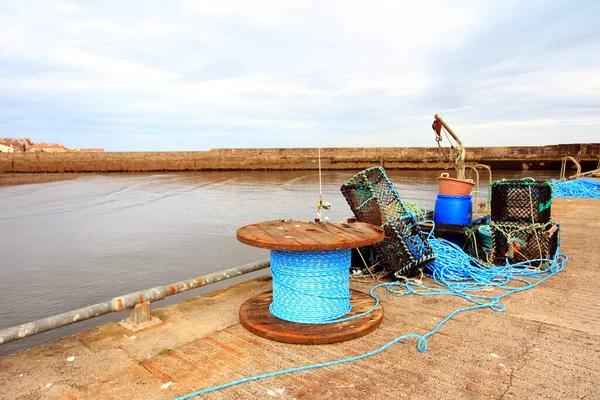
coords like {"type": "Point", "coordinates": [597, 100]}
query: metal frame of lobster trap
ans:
{"type": "Point", "coordinates": [372, 197]}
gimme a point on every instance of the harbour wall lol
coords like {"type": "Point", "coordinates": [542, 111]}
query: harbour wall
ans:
{"type": "Point", "coordinates": [522, 157]}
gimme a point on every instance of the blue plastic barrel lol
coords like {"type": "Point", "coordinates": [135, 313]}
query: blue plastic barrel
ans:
{"type": "Point", "coordinates": [456, 210]}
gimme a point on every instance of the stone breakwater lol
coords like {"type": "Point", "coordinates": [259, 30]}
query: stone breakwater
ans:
{"type": "Point", "coordinates": [523, 157]}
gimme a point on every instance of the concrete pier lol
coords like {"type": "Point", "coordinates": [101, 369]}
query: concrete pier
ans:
{"type": "Point", "coordinates": [517, 157]}
{"type": "Point", "coordinates": [546, 345]}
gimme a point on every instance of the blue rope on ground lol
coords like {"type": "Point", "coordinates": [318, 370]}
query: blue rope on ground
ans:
{"type": "Point", "coordinates": [579, 188]}
{"type": "Point", "coordinates": [456, 274]}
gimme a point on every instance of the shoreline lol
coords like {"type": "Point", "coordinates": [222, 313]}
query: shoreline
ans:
{"type": "Point", "coordinates": [20, 178]}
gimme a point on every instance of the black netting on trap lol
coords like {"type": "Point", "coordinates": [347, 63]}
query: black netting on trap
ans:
{"type": "Point", "coordinates": [373, 199]}
{"type": "Point", "coordinates": [521, 200]}
{"type": "Point", "coordinates": [521, 242]}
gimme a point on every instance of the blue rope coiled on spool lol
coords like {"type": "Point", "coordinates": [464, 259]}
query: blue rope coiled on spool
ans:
{"type": "Point", "coordinates": [310, 287]}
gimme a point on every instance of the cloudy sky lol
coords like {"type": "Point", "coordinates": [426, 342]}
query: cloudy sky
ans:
{"type": "Point", "coordinates": [195, 75]}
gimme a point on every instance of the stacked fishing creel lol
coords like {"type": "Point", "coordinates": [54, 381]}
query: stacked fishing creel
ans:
{"type": "Point", "coordinates": [522, 227]}
{"type": "Point", "coordinates": [524, 242]}
{"type": "Point", "coordinates": [373, 199]}
{"type": "Point", "coordinates": [521, 201]}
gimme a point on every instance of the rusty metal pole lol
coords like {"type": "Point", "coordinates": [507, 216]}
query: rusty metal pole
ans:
{"type": "Point", "coordinates": [124, 302]}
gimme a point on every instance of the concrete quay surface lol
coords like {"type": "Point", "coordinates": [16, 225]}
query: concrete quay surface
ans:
{"type": "Point", "coordinates": [546, 345]}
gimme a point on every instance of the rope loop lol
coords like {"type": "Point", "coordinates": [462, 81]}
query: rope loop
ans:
{"type": "Point", "coordinates": [422, 344]}
{"type": "Point", "coordinates": [498, 307]}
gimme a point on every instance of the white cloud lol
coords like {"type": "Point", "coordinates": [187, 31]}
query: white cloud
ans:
{"type": "Point", "coordinates": [273, 72]}
{"type": "Point", "coordinates": [149, 105]}
{"type": "Point", "coordinates": [74, 57]}
{"type": "Point", "coordinates": [534, 123]}
{"type": "Point", "coordinates": [65, 7]}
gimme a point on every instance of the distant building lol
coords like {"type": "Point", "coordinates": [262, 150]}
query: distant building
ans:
{"type": "Point", "coordinates": [92, 150]}
{"type": "Point", "coordinates": [6, 149]}
{"type": "Point", "coordinates": [26, 145]}
{"type": "Point", "coordinates": [15, 144]}
{"type": "Point", "coordinates": [48, 148]}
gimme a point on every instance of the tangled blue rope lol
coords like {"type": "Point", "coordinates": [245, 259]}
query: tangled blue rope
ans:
{"type": "Point", "coordinates": [580, 188]}
{"type": "Point", "coordinates": [456, 274]}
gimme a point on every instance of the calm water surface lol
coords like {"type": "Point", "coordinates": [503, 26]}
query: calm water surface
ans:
{"type": "Point", "coordinates": [74, 243]}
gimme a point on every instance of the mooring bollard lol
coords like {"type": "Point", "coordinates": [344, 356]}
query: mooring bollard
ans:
{"type": "Point", "coordinates": [140, 318]}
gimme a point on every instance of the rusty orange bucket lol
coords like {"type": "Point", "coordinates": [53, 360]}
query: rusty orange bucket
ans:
{"type": "Point", "coordinates": [455, 187]}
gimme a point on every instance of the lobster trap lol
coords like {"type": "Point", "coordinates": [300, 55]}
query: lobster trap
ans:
{"type": "Point", "coordinates": [373, 199]}
{"type": "Point", "coordinates": [521, 200]}
{"type": "Point", "coordinates": [518, 242]}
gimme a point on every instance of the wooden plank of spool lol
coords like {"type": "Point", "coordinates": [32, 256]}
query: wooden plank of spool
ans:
{"type": "Point", "coordinates": [293, 235]}
{"type": "Point", "coordinates": [256, 318]}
